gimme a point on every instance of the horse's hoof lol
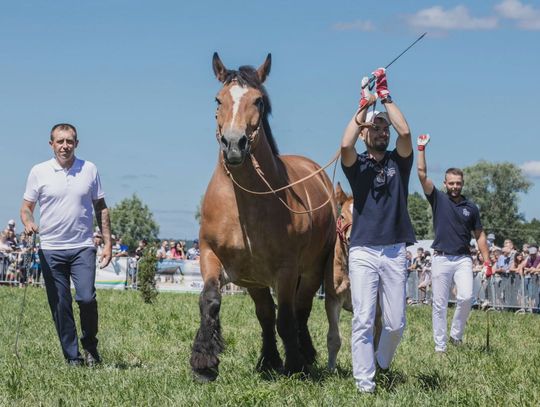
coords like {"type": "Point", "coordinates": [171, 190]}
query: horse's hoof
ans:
{"type": "Point", "coordinates": [310, 357]}
{"type": "Point", "coordinates": [295, 367]}
{"type": "Point", "coordinates": [205, 375]}
{"type": "Point", "coordinates": [332, 367]}
{"type": "Point", "coordinates": [267, 364]}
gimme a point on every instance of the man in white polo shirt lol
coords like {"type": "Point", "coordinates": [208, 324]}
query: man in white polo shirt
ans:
{"type": "Point", "coordinates": [68, 191]}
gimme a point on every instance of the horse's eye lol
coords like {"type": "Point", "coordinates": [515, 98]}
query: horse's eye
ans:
{"type": "Point", "coordinates": [218, 101]}
{"type": "Point", "coordinates": [259, 103]}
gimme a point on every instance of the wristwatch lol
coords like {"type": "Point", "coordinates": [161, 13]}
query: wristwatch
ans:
{"type": "Point", "coordinates": [387, 99]}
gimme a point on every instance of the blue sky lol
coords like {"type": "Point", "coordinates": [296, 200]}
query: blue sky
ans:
{"type": "Point", "coordinates": [135, 77]}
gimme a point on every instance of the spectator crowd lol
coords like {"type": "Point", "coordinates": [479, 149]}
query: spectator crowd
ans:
{"type": "Point", "coordinates": [15, 256]}
{"type": "Point", "coordinates": [507, 263]}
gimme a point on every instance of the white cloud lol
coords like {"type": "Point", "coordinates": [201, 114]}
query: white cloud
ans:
{"type": "Point", "coordinates": [526, 16]}
{"type": "Point", "coordinates": [457, 18]}
{"type": "Point", "coordinates": [531, 168]}
{"type": "Point", "coordinates": [357, 25]}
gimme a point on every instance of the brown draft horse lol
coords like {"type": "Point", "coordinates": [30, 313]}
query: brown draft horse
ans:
{"type": "Point", "coordinates": [338, 285]}
{"type": "Point", "coordinates": [254, 240]}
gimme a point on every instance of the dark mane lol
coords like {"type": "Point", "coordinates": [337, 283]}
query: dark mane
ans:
{"type": "Point", "coordinates": [247, 76]}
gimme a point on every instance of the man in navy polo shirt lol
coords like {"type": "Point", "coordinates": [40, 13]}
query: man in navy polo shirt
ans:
{"type": "Point", "coordinates": [381, 229]}
{"type": "Point", "coordinates": [454, 218]}
{"type": "Point", "coordinates": [68, 191]}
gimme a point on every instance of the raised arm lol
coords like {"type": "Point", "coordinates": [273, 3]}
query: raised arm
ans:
{"type": "Point", "coordinates": [404, 142]}
{"type": "Point", "coordinates": [27, 217]}
{"type": "Point", "coordinates": [421, 166]}
{"type": "Point", "coordinates": [352, 131]}
{"type": "Point", "coordinates": [104, 223]}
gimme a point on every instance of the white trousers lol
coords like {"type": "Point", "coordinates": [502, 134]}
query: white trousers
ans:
{"type": "Point", "coordinates": [444, 271]}
{"type": "Point", "coordinates": [376, 270]}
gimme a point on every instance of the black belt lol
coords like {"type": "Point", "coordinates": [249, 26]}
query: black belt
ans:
{"type": "Point", "coordinates": [441, 253]}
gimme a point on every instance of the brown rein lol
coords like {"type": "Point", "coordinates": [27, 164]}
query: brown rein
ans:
{"type": "Point", "coordinates": [341, 229]}
{"type": "Point", "coordinates": [271, 190]}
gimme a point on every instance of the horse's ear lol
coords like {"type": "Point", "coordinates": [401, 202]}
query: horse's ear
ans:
{"type": "Point", "coordinates": [219, 69]}
{"type": "Point", "coordinates": [264, 69]}
{"type": "Point", "coordinates": [340, 195]}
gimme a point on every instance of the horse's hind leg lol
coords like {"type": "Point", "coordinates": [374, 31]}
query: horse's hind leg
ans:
{"type": "Point", "coordinates": [332, 305]}
{"type": "Point", "coordinates": [266, 314]}
{"type": "Point", "coordinates": [208, 342]}
{"type": "Point", "coordinates": [378, 324]}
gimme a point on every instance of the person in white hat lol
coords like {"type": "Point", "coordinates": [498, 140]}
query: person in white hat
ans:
{"type": "Point", "coordinates": [454, 219]}
{"type": "Point", "coordinates": [381, 229]}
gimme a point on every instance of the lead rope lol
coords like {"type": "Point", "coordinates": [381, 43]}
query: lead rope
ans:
{"type": "Point", "coordinates": [271, 190]}
{"type": "Point", "coordinates": [28, 262]}
{"type": "Point", "coordinates": [330, 194]}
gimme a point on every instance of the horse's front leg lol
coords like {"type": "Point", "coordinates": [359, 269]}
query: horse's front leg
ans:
{"type": "Point", "coordinates": [308, 286]}
{"type": "Point", "coordinates": [287, 325]}
{"type": "Point", "coordinates": [208, 342]}
{"type": "Point", "coordinates": [266, 314]}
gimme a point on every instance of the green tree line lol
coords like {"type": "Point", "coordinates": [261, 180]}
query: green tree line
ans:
{"type": "Point", "coordinates": [495, 187]}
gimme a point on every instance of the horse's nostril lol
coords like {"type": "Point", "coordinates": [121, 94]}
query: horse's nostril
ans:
{"type": "Point", "coordinates": [224, 141]}
{"type": "Point", "coordinates": [242, 143]}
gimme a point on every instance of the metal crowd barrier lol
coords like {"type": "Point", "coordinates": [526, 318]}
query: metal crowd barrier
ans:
{"type": "Point", "coordinates": [415, 294]}
{"type": "Point", "coordinates": [500, 291]}
{"type": "Point", "coordinates": [181, 275]}
{"type": "Point", "coordinates": [13, 272]}
{"type": "Point", "coordinates": [5, 269]}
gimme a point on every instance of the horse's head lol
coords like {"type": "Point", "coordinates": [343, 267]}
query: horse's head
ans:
{"type": "Point", "coordinates": [243, 108]}
{"type": "Point", "coordinates": [345, 219]}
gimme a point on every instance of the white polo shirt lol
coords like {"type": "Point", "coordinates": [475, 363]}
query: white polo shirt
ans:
{"type": "Point", "coordinates": [65, 200]}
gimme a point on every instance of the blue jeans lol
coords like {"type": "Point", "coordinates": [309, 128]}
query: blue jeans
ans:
{"type": "Point", "coordinates": [58, 267]}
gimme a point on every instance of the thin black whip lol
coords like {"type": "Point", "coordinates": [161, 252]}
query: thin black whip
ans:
{"type": "Point", "coordinates": [395, 59]}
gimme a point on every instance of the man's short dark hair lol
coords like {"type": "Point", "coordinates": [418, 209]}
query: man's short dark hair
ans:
{"type": "Point", "coordinates": [454, 171]}
{"type": "Point", "coordinates": [63, 126]}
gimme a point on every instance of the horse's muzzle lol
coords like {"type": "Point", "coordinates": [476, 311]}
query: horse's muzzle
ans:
{"type": "Point", "coordinates": [234, 149]}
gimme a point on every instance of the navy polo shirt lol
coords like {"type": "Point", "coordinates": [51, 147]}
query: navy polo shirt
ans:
{"type": "Point", "coordinates": [380, 191]}
{"type": "Point", "coordinates": [453, 223]}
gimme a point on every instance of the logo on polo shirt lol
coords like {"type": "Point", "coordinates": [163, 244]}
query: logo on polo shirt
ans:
{"type": "Point", "coordinates": [385, 174]}
{"type": "Point", "coordinates": [466, 212]}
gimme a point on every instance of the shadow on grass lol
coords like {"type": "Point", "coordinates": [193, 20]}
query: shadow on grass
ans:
{"type": "Point", "coordinates": [390, 380]}
{"type": "Point", "coordinates": [123, 365]}
{"type": "Point", "coordinates": [430, 381]}
{"type": "Point", "coordinates": [476, 348]}
{"type": "Point", "coordinates": [316, 374]}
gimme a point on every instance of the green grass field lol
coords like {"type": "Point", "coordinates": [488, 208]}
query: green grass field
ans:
{"type": "Point", "coordinates": [146, 351]}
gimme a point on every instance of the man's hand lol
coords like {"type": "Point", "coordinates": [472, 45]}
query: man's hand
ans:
{"type": "Point", "coordinates": [105, 257]}
{"type": "Point", "coordinates": [30, 228]}
{"type": "Point", "coordinates": [367, 98]}
{"type": "Point", "coordinates": [381, 83]}
{"type": "Point", "coordinates": [422, 141]}
{"type": "Point", "coordinates": [487, 268]}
